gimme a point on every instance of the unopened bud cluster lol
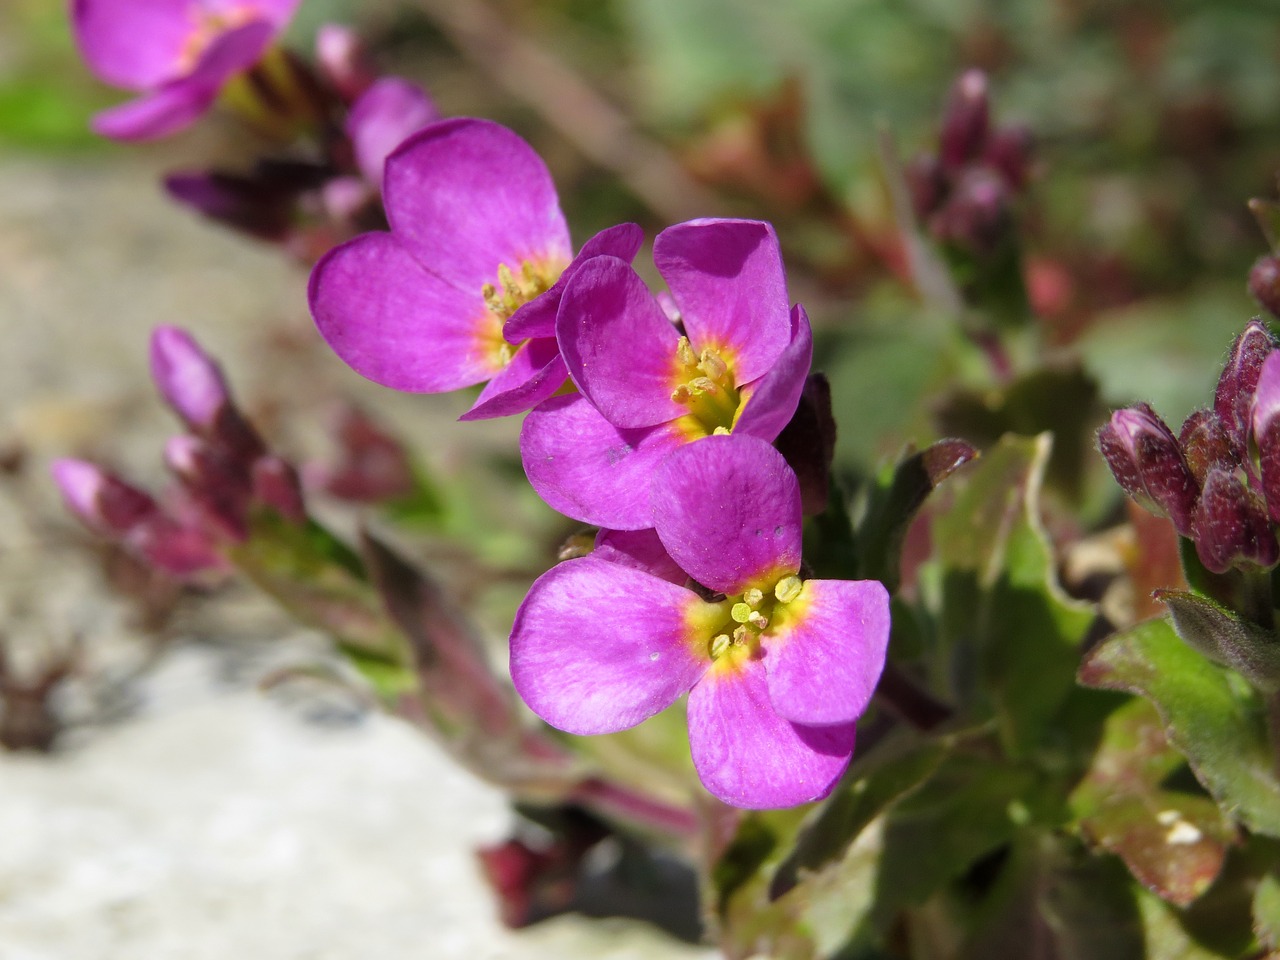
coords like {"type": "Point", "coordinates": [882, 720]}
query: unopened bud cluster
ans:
{"type": "Point", "coordinates": [964, 193]}
{"type": "Point", "coordinates": [1218, 480]}
{"type": "Point", "coordinates": [223, 469]}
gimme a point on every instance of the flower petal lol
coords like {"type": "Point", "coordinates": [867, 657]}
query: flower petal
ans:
{"type": "Point", "coordinates": [588, 469]}
{"type": "Point", "coordinates": [771, 401]}
{"type": "Point", "coordinates": [134, 44]}
{"type": "Point", "coordinates": [381, 119]}
{"type": "Point", "coordinates": [747, 755]}
{"type": "Point", "coordinates": [396, 323]}
{"type": "Point", "coordinates": [619, 345]}
{"type": "Point", "coordinates": [165, 110]}
{"type": "Point", "coordinates": [728, 511]}
{"type": "Point", "coordinates": [537, 318]}
{"type": "Point", "coordinates": [727, 278]}
{"type": "Point", "coordinates": [640, 549]}
{"type": "Point", "coordinates": [467, 195]}
{"type": "Point", "coordinates": [535, 373]}
{"type": "Point", "coordinates": [598, 647]}
{"type": "Point", "coordinates": [825, 650]}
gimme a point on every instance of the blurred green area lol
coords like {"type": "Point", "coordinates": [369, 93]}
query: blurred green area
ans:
{"type": "Point", "coordinates": [1154, 123]}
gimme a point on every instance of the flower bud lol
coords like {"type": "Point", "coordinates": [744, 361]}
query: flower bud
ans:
{"type": "Point", "coordinates": [217, 489]}
{"type": "Point", "coordinates": [1266, 431]}
{"type": "Point", "coordinates": [1144, 457]}
{"type": "Point", "coordinates": [276, 484]}
{"type": "Point", "coordinates": [927, 185]}
{"type": "Point", "coordinates": [1207, 443]}
{"type": "Point", "coordinates": [1264, 283]}
{"type": "Point", "coordinates": [101, 500]}
{"type": "Point", "coordinates": [382, 118]}
{"type": "Point", "coordinates": [1233, 399]}
{"type": "Point", "coordinates": [1008, 151]}
{"type": "Point", "coordinates": [978, 216]}
{"type": "Point", "coordinates": [965, 121]}
{"type": "Point", "coordinates": [1230, 525]}
{"type": "Point", "coordinates": [342, 59]}
{"type": "Point", "coordinates": [188, 379]}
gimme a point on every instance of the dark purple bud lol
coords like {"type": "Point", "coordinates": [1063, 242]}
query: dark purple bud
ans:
{"type": "Point", "coordinates": [238, 202]}
{"type": "Point", "coordinates": [179, 549]}
{"type": "Point", "coordinates": [1233, 399]}
{"type": "Point", "coordinates": [1207, 443]}
{"type": "Point", "coordinates": [1264, 283]}
{"type": "Point", "coordinates": [927, 183]}
{"type": "Point", "coordinates": [276, 484]}
{"type": "Point", "coordinates": [978, 216]}
{"type": "Point", "coordinates": [1231, 525]}
{"type": "Point", "coordinates": [219, 490]}
{"type": "Point", "coordinates": [1008, 152]}
{"type": "Point", "coordinates": [1144, 457]}
{"type": "Point", "coordinates": [372, 465]}
{"type": "Point", "coordinates": [965, 121]}
{"type": "Point", "coordinates": [101, 500]}
{"type": "Point", "coordinates": [1266, 431]}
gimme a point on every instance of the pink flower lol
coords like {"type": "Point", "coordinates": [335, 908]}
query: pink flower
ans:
{"type": "Point", "coordinates": [777, 668]}
{"type": "Point", "coordinates": [178, 54]}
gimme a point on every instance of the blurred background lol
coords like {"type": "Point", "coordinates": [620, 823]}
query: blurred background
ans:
{"type": "Point", "coordinates": [183, 813]}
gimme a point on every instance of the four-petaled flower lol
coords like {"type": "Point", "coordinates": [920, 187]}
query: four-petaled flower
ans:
{"type": "Point", "coordinates": [178, 54]}
{"type": "Point", "coordinates": [777, 668]}
{"type": "Point", "coordinates": [477, 238]}
{"type": "Point", "coordinates": [733, 361]}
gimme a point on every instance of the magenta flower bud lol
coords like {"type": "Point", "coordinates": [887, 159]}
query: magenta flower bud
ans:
{"type": "Point", "coordinates": [1206, 443]}
{"type": "Point", "coordinates": [386, 114]}
{"type": "Point", "coordinates": [1264, 283]}
{"type": "Point", "coordinates": [1266, 431]}
{"type": "Point", "coordinates": [1144, 457]}
{"type": "Point", "coordinates": [263, 203]}
{"type": "Point", "coordinates": [1231, 526]}
{"type": "Point", "coordinates": [965, 121]}
{"type": "Point", "coordinates": [188, 378]}
{"type": "Point", "coordinates": [101, 500]}
{"type": "Point", "coordinates": [1233, 399]}
{"type": "Point", "coordinates": [341, 56]}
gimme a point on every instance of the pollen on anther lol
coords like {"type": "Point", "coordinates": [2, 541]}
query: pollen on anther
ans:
{"type": "Point", "coordinates": [719, 645]}
{"type": "Point", "coordinates": [787, 589]}
{"type": "Point", "coordinates": [741, 612]}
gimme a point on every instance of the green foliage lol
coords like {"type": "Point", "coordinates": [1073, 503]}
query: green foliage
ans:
{"type": "Point", "coordinates": [1209, 715]}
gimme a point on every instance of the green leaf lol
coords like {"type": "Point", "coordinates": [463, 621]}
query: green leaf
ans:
{"type": "Point", "coordinates": [1063, 400]}
{"type": "Point", "coordinates": [1008, 634]}
{"type": "Point", "coordinates": [894, 500]}
{"type": "Point", "coordinates": [1266, 911]}
{"type": "Point", "coordinates": [1173, 842]}
{"type": "Point", "coordinates": [1225, 637]}
{"type": "Point", "coordinates": [1209, 715]}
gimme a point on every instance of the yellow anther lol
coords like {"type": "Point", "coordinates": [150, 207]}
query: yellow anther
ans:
{"type": "Point", "coordinates": [741, 612]}
{"type": "Point", "coordinates": [703, 385]}
{"type": "Point", "coordinates": [753, 596]}
{"type": "Point", "coordinates": [712, 365]}
{"type": "Point", "coordinates": [682, 394]}
{"type": "Point", "coordinates": [758, 620]}
{"type": "Point", "coordinates": [685, 353]}
{"type": "Point", "coordinates": [787, 589]}
{"type": "Point", "coordinates": [508, 281]}
{"type": "Point", "coordinates": [720, 432]}
{"type": "Point", "coordinates": [719, 645]}
{"type": "Point", "coordinates": [741, 635]}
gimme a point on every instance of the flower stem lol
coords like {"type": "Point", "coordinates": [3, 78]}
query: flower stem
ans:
{"type": "Point", "coordinates": [908, 701]}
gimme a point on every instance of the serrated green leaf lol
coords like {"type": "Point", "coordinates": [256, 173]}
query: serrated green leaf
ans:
{"type": "Point", "coordinates": [1216, 721]}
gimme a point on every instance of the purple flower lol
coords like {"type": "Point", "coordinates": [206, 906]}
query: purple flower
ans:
{"type": "Point", "coordinates": [477, 239]}
{"type": "Point", "coordinates": [178, 54]}
{"type": "Point", "coordinates": [777, 668]}
{"type": "Point", "coordinates": [382, 118]}
{"type": "Point", "coordinates": [737, 364]}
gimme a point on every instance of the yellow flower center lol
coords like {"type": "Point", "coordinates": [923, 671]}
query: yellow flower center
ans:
{"type": "Point", "coordinates": [749, 615]}
{"type": "Point", "coordinates": [513, 290]}
{"type": "Point", "coordinates": [704, 384]}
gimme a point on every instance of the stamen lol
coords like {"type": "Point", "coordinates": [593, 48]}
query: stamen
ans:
{"type": "Point", "coordinates": [787, 589]}
{"type": "Point", "coordinates": [741, 612]}
{"type": "Point", "coordinates": [753, 596]}
{"type": "Point", "coordinates": [758, 620]}
{"type": "Point", "coordinates": [712, 365]}
{"type": "Point", "coordinates": [685, 354]}
{"type": "Point", "coordinates": [719, 645]}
